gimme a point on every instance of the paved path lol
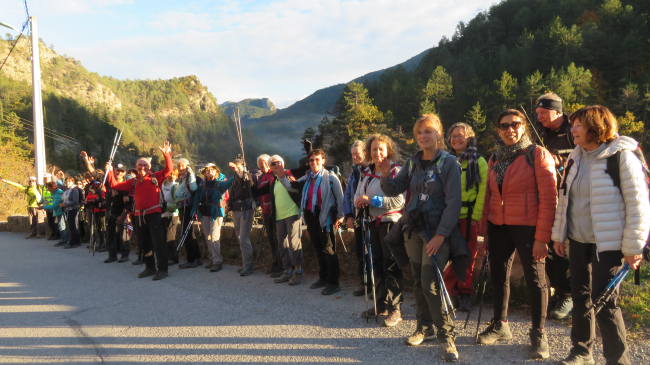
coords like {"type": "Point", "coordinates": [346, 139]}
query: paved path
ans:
{"type": "Point", "coordinates": [66, 306]}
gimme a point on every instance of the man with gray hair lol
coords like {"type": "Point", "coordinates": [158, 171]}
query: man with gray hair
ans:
{"type": "Point", "coordinates": [265, 178]}
{"type": "Point", "coordinates": [188, 182]}
{"type": "Point", "coordinates": [558, 140]}
{"type": "Point", "coordinates": [350, 211]}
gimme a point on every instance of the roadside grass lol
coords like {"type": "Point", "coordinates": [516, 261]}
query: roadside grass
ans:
{"type": "Point", "coordinates": [635, 303]}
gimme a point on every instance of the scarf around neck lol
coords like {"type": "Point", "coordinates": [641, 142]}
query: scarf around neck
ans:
{"type": "Point", "coordinates": [506, 154]}
{"type": "Point", "coordinates": [472, 175]}
{"type": "Point", "coordinates": [305, 192]}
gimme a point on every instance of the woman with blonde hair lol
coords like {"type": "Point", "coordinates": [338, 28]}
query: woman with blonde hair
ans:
{"type": "Point", "coordinates": [604, 214]}
{"type": "Point", "coordinates": [433, 177]}
{"type": "Point", "coordinates": [381, 155]}
{"type": "Point", "coordinates": [473, 180]}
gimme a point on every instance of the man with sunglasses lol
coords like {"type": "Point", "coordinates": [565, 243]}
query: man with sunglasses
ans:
{"type": "Point", "coordinates": [557, 138]}
{"type": "Point", "coordinates": [33, 196]}
{"type": "Point", "coordinates": [322, 206]}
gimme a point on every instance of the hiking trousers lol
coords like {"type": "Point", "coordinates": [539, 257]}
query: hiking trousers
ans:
{"type": "Point", "coordinates": [36, 221]}
{"type": "Point", "coordinates": [243, 221]}
{"type": "Point", "coordinates": [389, 282]}
{"type": "Point", "coordinates": [212, 231]}
{"type": "Point", "coordinates": [323, 242]}
{"type": "Point", "coordinates": [290, 249]}
{"type": "Point", "coordinates": [151, 240]}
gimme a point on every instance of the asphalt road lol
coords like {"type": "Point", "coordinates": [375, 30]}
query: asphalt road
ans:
{"type": "Point", "coordinates": [66, 306]}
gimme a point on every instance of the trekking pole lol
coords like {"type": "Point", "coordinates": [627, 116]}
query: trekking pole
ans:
{"type": "Point", "coordinates": [482, 280]}
{"type": "Point", "coordinates": [365, 265]}
{"type": "Point", "coordinates": [91, 248]}
{"type": "Point", "coordinates": [610, 289]}
{"type": "Point", "coordinates": [368, 247]}
{"type": "Point", "coordinates": [532, 126]}
{"type": "Point", "coordinates": [340, 232]}
{"type": "Point", "coordinates": [6, 186]}
{"type": "Point", "coordinates": [116, 143]}
{"type": "Point", "coordinates": [444, 295]}
{"type": "Point", "coordinates": [187, 230]}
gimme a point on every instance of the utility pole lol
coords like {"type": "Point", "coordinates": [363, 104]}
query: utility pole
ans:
{"type": "Point", "coordinates": [37, 105]}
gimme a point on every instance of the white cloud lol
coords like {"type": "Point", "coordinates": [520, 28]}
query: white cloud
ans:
{"type": "Point", "coordinates": [283, 49]}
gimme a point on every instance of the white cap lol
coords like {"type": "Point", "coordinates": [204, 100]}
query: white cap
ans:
{"type": "Point", "coordinates": [47, 174]}
{"type": "Point", "coordinates": [32, 178]}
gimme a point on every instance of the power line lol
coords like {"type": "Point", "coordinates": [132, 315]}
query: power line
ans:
{"type": "Point", "coordinates": [49, 129]}
{"type": "Point", "coordinates": [21, 33]}
{"type": "Point", "coordinates": [47, 134]}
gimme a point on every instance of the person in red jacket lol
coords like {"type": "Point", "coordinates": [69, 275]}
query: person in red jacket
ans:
{"type": "Point", "coordinates": [518, 213]}
{"type": "Point", "coordinates": [146, 189]}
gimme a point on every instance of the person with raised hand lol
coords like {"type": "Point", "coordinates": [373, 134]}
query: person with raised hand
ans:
{"type": "Point", "coordinates": [433, 177]}
{"type": "Point", "coordinates": [322, 205]}
{"type": "Point", "coordinates": [603, 216]}
{"type": "Point", "coordinates": [33, 197]}
{"type": "Point", "coordinates": [473, 181]}
{"type": "Point", "coordinates": [170, 216]}
{"type": "Point", "coordinates": [147, 211]}
{"type": "Point", "coordinates": [518, 216]}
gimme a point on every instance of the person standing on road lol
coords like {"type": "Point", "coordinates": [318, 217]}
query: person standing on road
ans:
{"type": "Point", "coordinates": [286, 215]}
{"type": "Point", "coordinates": [184, 193]}
{"type": "Point", "coordinates": [381, 154]}
{"type": "Point", "coordinates": [71, 200]}
{"type": "Point", "coordinates": [57, 211]}
{"type": "Point", "coordinates": [209, 210]}
{"type": "Point", "coordinates": [605, 224]}
{"type": "Point", "coordinates": [275, 271]}
{"type": "Point", "coordinates": [46, 199]}
{"type": "Point", "coordinates": [558, 140]}
{"type": "Point", "coordinates": [148, 210]}
{"type": "Point", "coordinates": [242, 205]}
{"type": "Point", "coordinates": [170, 216]}
{"type": "Point", "coordinates": [349, 209]}
{"type": "Point", "coordinates": [518, 216]}
{"type": "Point", "coordinates": [433, 177]}
{"type": "Point", "coordinates": [322, 206]}
{"type": "Point", "coordinates": [473, 181]}
{"type": "Point", "coordinates": [36, 216]}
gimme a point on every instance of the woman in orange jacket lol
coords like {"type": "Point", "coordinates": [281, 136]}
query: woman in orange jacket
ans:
{"type": "Point", "coordinates": [518, 214]}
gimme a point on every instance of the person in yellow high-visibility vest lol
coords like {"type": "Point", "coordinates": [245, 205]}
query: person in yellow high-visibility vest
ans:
{"type": "Point", "coordinates": [36, 216]}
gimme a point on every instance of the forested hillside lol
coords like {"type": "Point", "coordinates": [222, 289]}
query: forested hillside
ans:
{"type": "Point", "coordinates": [587, 51]}
{"type": "Point", "coordinates": [88, 108]}
{"type": "Point", "coordinates": [250, 110]}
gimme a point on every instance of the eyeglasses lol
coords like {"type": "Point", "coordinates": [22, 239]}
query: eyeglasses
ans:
{"type": "Point", "coordinates": [279, 163]}
{"type": "Point", "coordinates": [505, 126]}
{"type": "Point", "coordinates": [315, 160]}
{"type": "Point", "coordinates": [457, 136]}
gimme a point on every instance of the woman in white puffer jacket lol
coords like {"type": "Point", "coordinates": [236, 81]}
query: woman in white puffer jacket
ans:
{"type": "Point", "coordinates": [604, 227]}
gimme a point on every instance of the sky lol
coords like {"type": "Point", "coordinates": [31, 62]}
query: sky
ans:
{"type": "Point", "coordinates": [280, 49]}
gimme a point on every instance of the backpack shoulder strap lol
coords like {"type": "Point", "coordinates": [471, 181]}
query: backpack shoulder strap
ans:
{"type": "Point", "coordinates": [530, 155]}
{"type": "Point", "coordinates": [614, 170]}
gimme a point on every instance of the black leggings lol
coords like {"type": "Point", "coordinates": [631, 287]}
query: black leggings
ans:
{"type": "Point", "coordinates": [503, 241]}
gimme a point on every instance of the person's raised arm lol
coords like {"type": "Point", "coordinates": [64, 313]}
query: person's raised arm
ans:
{"type": "Point", "coordinates": [89, 161]}
{"type": "Point", "coordinates": [166, 150]}
{"type": "Point", "coordinates": [394, 186]}
{"type": "Point", "coordinates": [17, 185]}
{"type": "Point", "coordinates": [112, 182]}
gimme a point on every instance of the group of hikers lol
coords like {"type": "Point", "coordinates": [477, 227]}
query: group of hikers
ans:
{"type": "Point", "coordinates": [574, 206]}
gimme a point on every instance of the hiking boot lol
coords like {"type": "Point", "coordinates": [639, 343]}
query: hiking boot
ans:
{"type": "Point", "coordinates": [360, 291]}
{"type": "Point", "coordinates": [137, 262]}
{"type": "Point", "coordinates": [123, 259]}
{"type": "Point", "coordinates": [562, 308]}
{"type": "Point", "coordinates": [538, 344]}
{"type": "Point", "coordinates": [420, 336]}
{"type": "Point", "coordinates": [496, 331]}
{"type": "Point", "coordinates": [247, 271]}
{"type": "Point", "coordinates": [208, 265]}
{"type": "Point", "coordinates": [70, 246]}
{"type": "Point", "coordinates": [371, 313]}
{"type": "Point", "coordinates": [110, 259]}
{"type": "Point", "coordinates": [330, 289]}
{"type": "Point", "coordinates": [215, 267]}
{"type": "Point", "coordinates": [30, 236]}
{"type": "Point", "coordinates": [240, 270]}
{"type": "Point", "coordinates": [146, 272]}
{"type": "Point", "coordinates": [449, 352]}
{"type": "Point", "coordinates": [283, 278]}
{"type": "Point", "coordinates": [188, 265]}
{"type": "Point", "coordinates": [160, 275]}
{"type": "Point", "coordinates": [59, 244]}
{"type": "Point", "coordinates": [394, 318]}
{"type": "Point", "coordinates": [199, 262]}
{"type": "Point", "coordinates": [465, 302]}
{"type": "Point", "coordinates": [318, 284]}
{"type": "Point", "coordinates": [576, 359]}
{"type": "Point", "coordinates": [276, 274]}
{"type": "Point", "coordinates": [296, 278]}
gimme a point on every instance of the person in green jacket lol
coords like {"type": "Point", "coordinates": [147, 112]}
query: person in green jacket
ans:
{"type": "Point", "coordinates": [36, 216]}
{"type": "Point", "coordinates": [473, 180]}
{"type": "Point", "coordinates": [57, 211]}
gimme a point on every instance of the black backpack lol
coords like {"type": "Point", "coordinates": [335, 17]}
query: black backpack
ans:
{"type": "Point", "coordinates": [344, 182]}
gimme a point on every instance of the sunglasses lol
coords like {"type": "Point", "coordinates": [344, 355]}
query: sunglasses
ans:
{"type": "Point", "coordinates": [276, 163]}
{"type": "Point", "coordinates": [505, 126]}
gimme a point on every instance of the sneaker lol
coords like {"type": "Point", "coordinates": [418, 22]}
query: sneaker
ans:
{"type": "Point", "coordinates": [465, 302]}
{"type": "Point", "coordinates": [318, 284]}
{"type": "Point", "coordinates": [146, 272]}
{"type": "Point", "coordinates": [449, 352]}
{"type": "Point", "coordinates": [393, 319]}
{"type": "Point", "coordinates": [59, 244]}
{"type": "Point", "coordinates": [360, 291]}
{"type": "Point", "coordinates": [160, 275]}
{"type": "Point", "coordinates": [330, 289]}
{"type": "Point", "coordinates": [208, 265]}
{"type": "Point", "coordinates": [576, 359]}
{"type": "Point", "coordinates": [123, 259]}
{"type": "Point", "coordinates": [296, 278]}
{"type": "Point", "coordinates": [137, 262]}
{"type": "Point", "coordinates": [371, 313]}
{"type": "Point", "coordinates": [188, 265]}
{"type": "Point", "coordinates": [246, 271]}
{"type": "Point", "coordinates": [277, 274]}
{"type": "Point", "coordinates": [562, 308]}
{"type": "Point", "coordinates": [283, 278]}
{"type": "Point", "coordinates": [496, 331]}
{"type": "Point", "coordinates": [538, 344]}
{"type": "Point", "coordinates": [110, 259]}
{"type": "Point", "coordinates": [420, 336]}
{"type": "Point", "coordinates": [215, 267]}
{"type": "Point", "coordinates": [30, 236]}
